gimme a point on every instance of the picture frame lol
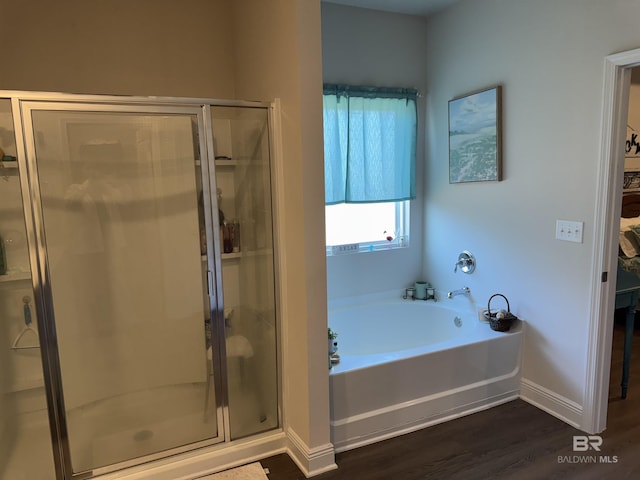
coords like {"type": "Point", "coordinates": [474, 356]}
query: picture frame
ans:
{"type": "Point", "coordinates": [631, 181]}
{"type": "Point", "coordinates": [475, 136]}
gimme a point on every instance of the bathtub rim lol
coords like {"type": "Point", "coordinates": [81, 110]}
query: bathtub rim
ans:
{"type": "Point", "coordinates": [360, 362]}
{"type": "Point", "coordinates": [476, 335]}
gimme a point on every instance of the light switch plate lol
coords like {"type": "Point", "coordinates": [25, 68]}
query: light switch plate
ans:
{"type": "Point", "coordinates": [569, 231]}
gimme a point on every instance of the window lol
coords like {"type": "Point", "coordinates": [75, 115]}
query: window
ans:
{"type": "Point", "coordinates": [369, 144]}
{"type": "Point", "coordinates": [372, 226]}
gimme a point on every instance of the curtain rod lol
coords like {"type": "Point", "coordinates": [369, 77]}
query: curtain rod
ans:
{"type": "Point", "coordinates": [366, 90]}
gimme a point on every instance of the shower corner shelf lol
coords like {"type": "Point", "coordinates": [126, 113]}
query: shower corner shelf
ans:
{"type": "Point", "coordinates": [8, 169]}
{"type": "Point", "coordinates": [226, 163]}
{"type": "Point", "coordinates": [224, 256]}
{"type": "Point", "coordinates": [15, 277]}
{"type": "Point", "coordinates": [27, 383]}
{"type": "Point", "coordinates": [248, 253]}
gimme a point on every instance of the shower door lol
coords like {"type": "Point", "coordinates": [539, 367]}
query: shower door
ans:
{"type": "Point", "coordinates": [124, 219]}
{"type": "Point", "coordinates": [243, 182]}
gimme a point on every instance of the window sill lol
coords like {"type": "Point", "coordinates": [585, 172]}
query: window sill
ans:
{"type": "Point", "coordinates": [353, 248]}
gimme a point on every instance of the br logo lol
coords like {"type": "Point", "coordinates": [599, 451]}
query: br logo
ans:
{"type": "Point", "coordinates": [583, 443]}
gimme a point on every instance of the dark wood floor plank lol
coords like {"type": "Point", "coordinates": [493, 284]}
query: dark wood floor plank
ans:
{"type": "Point", "coordinates": [514, 441]}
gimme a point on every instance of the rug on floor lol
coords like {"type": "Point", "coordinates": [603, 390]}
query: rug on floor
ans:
{"type": "Point", "coordinates": [253, 471]}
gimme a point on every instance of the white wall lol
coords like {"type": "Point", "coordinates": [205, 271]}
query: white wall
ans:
{"type": "Point", "coordinates": [147, 47]}
{"type": "Point", "coordinates": [367, 47]}
{"type": "Point", "coordinates": [278, 54]}
{"type": "Point", "coordinates": [549, 57]}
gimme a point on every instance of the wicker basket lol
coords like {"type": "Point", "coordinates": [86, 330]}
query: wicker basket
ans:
{"type": "Point", "coordinates": [499, 324]}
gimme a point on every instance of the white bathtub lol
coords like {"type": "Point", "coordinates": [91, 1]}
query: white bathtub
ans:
{"type": "Point", "coordinates": [405, 365]}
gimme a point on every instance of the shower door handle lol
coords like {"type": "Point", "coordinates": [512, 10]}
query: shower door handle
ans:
{"type": "Point", "coordinates": [210, 283]}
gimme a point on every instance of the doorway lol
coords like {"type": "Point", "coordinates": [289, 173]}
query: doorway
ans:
{"type": "Point", "coordinates": [617, 80]}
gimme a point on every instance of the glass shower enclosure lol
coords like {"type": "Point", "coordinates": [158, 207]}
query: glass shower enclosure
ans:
{"type": "Point", "coordinates": [138, 306]}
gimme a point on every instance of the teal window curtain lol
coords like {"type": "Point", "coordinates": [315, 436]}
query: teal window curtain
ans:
{"type": "Point", "coordinates": [369, 144]}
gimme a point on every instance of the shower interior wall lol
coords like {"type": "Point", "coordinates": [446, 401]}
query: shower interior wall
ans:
{"type": "Point", "coordinates": [21, 394]}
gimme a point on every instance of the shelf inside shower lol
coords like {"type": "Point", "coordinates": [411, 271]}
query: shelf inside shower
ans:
{"type": "Point", "coordinates": [24, 384]}
{"type": "Point", "coordinates": [232, 256]}
{"type": "Point", "coordinates": [9, 169]}
{"type": "Point", "coordinates": [15, 277]}
{"type": "Point", "coordinates": [224, 256]}
{"type": "Point", "coordinates": [222, 162]}
{"type": "Point", "coordinates": [226, 162]}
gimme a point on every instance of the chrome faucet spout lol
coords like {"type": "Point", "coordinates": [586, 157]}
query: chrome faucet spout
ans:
{"type": "Point", "coordinates": [466, 291]}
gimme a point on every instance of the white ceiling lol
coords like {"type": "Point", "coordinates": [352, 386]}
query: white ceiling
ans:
{"type": "Point", "coordinates": [410, 7]}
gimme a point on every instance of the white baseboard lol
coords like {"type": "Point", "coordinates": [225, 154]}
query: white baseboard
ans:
{"type": "Point", "coordinates": [312, 461]}
{"type": "Point", "coordinates": [554, 404]}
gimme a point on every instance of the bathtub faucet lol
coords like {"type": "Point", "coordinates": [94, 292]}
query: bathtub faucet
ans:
{"type": "Point", "coordinates": [466, 291]}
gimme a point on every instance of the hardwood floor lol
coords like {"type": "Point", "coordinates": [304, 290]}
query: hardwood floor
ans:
{"type": "Point", "coordinates": [512, 441]}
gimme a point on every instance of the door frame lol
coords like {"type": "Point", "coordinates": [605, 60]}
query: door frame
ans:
{"type": "Point", "coordinates": [42, 281]}
{"type": "Point", "coordinates": [615, 105]}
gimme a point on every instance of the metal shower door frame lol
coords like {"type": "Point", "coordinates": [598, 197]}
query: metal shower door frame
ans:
{"type": "Point", "coordinates": [23, 105]}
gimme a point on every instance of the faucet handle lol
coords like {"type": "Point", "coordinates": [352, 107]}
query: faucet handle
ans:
{"type": "Point", "coordinates": [466, 262]}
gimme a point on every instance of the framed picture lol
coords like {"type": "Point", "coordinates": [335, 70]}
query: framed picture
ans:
{"type": "Point", "coordinates": [631, 181]}
{"type": "Point", "coordinates": [475, 137]}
